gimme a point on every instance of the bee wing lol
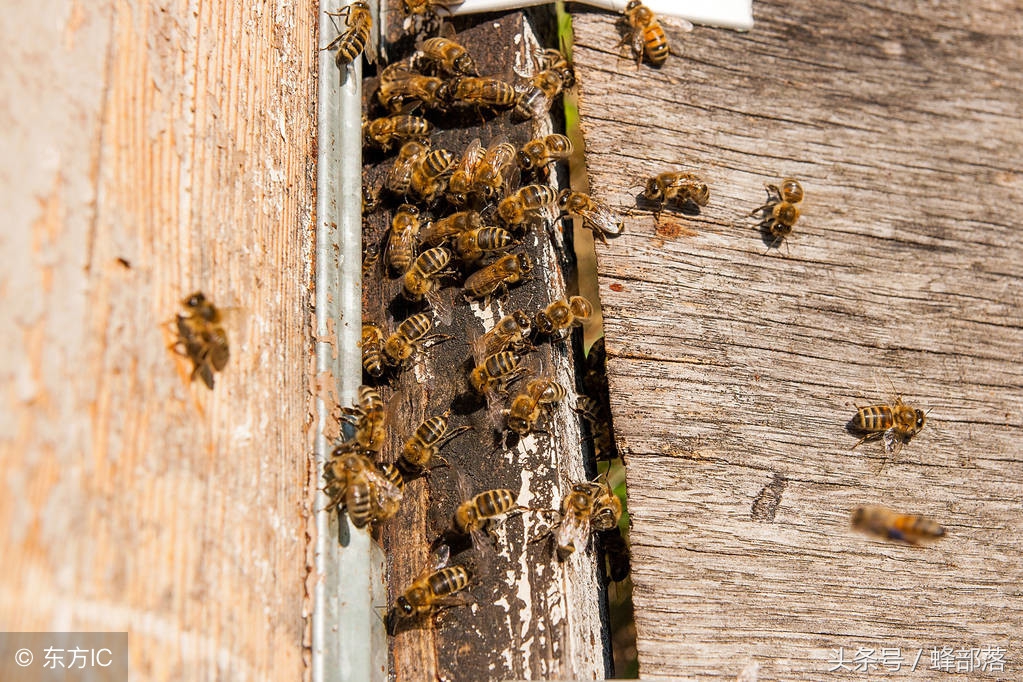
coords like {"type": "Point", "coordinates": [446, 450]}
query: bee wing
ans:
{"type": "Point", "coordinates": [601, 217]}
{"type": "Point", "coordinates": [471, 159]}
{"type": "Point", "coordinates": [572, 533]}
{"type": "Point", "coordinates": [442, 303]}
{"type": "Point", "coordinates": [388, 496]}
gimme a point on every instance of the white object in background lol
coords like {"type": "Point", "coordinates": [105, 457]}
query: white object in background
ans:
{"type": "Point", "coordinates": [726, 13]}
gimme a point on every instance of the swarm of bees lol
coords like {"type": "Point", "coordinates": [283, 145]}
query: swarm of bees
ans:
{"type": "Point", "coordinates": [457, 226]}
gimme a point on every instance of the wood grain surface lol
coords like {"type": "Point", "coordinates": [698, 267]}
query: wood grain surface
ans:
{"type": "Point", "coordinates": [152, 150]}
{"type": "Point", "coordinates": [530, 616]}
{"type": "Point", "coordinates": [734, 368]}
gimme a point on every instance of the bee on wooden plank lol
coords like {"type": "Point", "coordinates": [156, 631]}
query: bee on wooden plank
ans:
{"type": "Point", "coordinates": [385, 131]}
{"type": "Point", "coordinates": [597, 216]}
{"type": "Point", "coordinates": [561, 315]}
{"type": "Point", "coordinates": [402, 239]}
{"type": "Point", "coordinates": [526, 408]}
{"type": "Point", "coordinates": [479, 92]}
{"type": "Point", "coordinates": [437, 232]}
{"type": "Point", "coordinates": [402, 89]}
{"type": "Point", "coordinates": [537, 153]}
{"type": "Point", "coordinates": [895, 422]}
{"type": "Point", "coordinates": [437, 588]}
{"type": "Point", "coordinates": [353, 481]}
{"type": "Point", "coordinates": [782, 210]}
{"type": "Point", "coordinates": [678, 186]}
{"type": "Point", "coordinates": [511, 332]}
{"type": "Point", "coordinates": [448, 56]}
{"type": "Point", "coordinates": [588, 506]}
{"type": "Point", "coordinates": [646, 36]}
{"type": "Point", "coordinates": [422, 448]}
{"type": "Point", "coordinates": [525, 204]}
{"type": "Point", "coordinates": [908, 528]}
{"type": "Point", "coordinates": [369, 417]}
{"type": "Point", "coordinates": [201, 337]}
{"type": "Point", "coordinates": [511, 268]}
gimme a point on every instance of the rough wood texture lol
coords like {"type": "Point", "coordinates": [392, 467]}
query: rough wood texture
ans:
{"type": "Point", "coordinates": [152, 150]}
{"type": "Point", "coordinates": [734, 373]}
{"type": "Point", "coordinates": [531, 616]}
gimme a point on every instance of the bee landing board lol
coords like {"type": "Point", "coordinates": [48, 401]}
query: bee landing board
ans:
{"type": "Point", "coordinates": [527, 614]}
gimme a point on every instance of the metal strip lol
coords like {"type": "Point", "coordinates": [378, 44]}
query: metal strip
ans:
{"type": "Point", "coordinates": [348, 641]}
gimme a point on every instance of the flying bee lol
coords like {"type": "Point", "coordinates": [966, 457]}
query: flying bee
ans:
{"type": "Point", "coordinates": [510, 333]}
{"type": "Point", "coordinates": [464, 175]}
{"type": "Point", "coordinates": [474, 244]}
{"type": "Point", "coordinates": [781, 211]}
{"type": "Point", "coordinates": [372, 345]}
{"type": "Point", "coordinates": [896, 423]}
{"type": "Point", "coordinates": [492, 174]}
{"type": "Point", "coordinates": [909, 528]}
{"type": "Point", "coordinates": [526, 408]}
{"type": "Point", "coordinates": [479, 92]}
{"type": "Point", "coordinates": [535, 100]}
{"type": "Point", "coordinates": [201, 337]}
{"type": "Point", "coordinates": [646, 35]}
{"type": "Point", "coordinates": [508, 269]}
{"type": "Point", "coordinates": [537, 153]}
{"type": "Point", "coordinates": [587, 506]}
{"type": "Point", "coordinates": [427, 440]}
{"type": "Point", "coordinates": [563, 314]}
{"type": "Point", "coordinates": [384, 132]}
{"type": "Point", "coordinates": [421, 277]}
{"type": "Point", "coordinates": [597, 216]}
{"type": "Point", "coordinates": [437, 232]}
{"type": "Point", "coordinates": [354, 482]}
{"type": "Point", "coordinates": [351, 43]}
{"type": "Point", "coordinates": [680, 187]}
{"type": "Point", "coordinates": [401, 87]}
{"type": "Point", "coordinates": [449, 56]}
{"type": "Point", "coordinates": [494, 372]}
{"type": "Point", "coordinates": [552, 60]}
{"type": "Point", "coordinates": [399, 178]}
{"type": "Point", "coordinates": [428, 593]}
{"type": "Point", "coordinates": [429, 172]}
{"type": "Point", "coordinates": [525, 204]}
{"type": "Point", "coordinates": [369, 416]}
{"type": "Point", "coordinates": [401, 239]}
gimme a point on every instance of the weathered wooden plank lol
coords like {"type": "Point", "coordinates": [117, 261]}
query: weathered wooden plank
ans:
{"type": "Point", "coordinates": [531, 616]}
{"type": "Point", "coordinates": [734, 373]}
{"type": "Point", "coordinates": [156, 150]}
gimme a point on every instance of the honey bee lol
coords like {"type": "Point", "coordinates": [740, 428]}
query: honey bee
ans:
{"type": "Point", "coordinates": [399, 178]}
{"type": "Point", "coordinates": [552, 60]}
{"type": "Point", "coordinates": [474, 244]}
{"type": "Point", "coordinates": [494, 372]}
{"type": "Point", "coordinates": [645, 34]}
{"type": "Point", "coordinates": [401, 87]}
{"type": "Point", "coordinates": [449, 56]}
{"type": "Point", "coordinates": [369, 416]}
{"type": "Point", "coordinates": [896, 423]}
{"type": "Point", "coordinates": [492, 173]}
{"type": "Point", "coordinates": [781, 212]}
{"type": "Point", "coordinates": [536, 154]}
{"type": "Point", "coordinates": [421, 278]}
{"type": "Point", "coordinates": [372, 345]}
{"type": "Point", "coordinates": [370, 199]}
{"type": "Point", "coordinates": [437, 232]}
{"type": "Point", "coordinates": [464, 175]}
{"type": "Point", "coordinates": [428, 593]}
{"type": "Point", "coordinates": [410, 335]}
{"type": "Point", "coordinates": [597, 216]}
{"type": "Point", "coordinates": [562, 315]}
{"type": "Point", "coordinates": [479, 92]}
{"type": "Point", "coordinates": [510, 333]}
{"type": "Point", "coordinates": [351, 43]}
{"type": "Point", "coordinates": [680, 187]}
{"type": "Point", "coordinates": [202, 338]}
{"type": "Point", "coordinates": [587, 506]}
{"type": "Point", "coordinates": [426, 8]}
{"type": "Point", "coordinates": [474, 513]}
{"type": "Point", "coordinates": [427, 440]}
{"type": "Point", "coordinates": [536, 99]}
{"type": "Point", "coordinates": [526, 408]}
{"type": "Point", "coordinates": [384, 132]}
{"type": "Point", "coordinates": [616, 553]}
{"type": "Point", "coordinates": [598, 420]}
{"type": "Point", "coordinates": [428, 174]}
{"type": "Point", "coordinates": [354, 482]}
{"type": "Point", "coordinates": [508, 269]}
{"type": "Point", "coordinates": [401, 239]}
{"type": "Point", "coordinates": [525, 204]}
{"type": "Point", "coordinates": [909, 528]}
